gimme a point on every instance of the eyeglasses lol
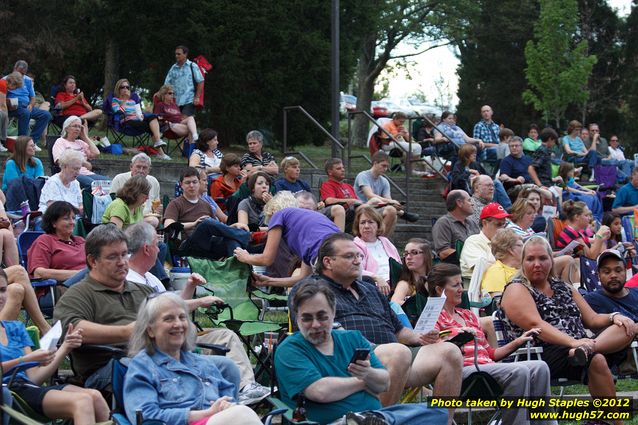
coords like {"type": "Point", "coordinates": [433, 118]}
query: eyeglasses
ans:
{"type": "Point", "coordinates": [309, 318]}
{"type": "Point", "coordinates": [412, 252]}
{"type": "Point", "coordinates": [350, 256]}
{"type": "Point", "coordinates": [125, 87]}
{"type": "Point", "coordinates": [170, 92]}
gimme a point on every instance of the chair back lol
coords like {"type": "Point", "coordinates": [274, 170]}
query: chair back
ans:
{"type": "Point", "coordinates": [24, 241]}
{"type": "Point", "coordinates": [589, 274]}
{"type": "Point", "coordinates": [413, 306]}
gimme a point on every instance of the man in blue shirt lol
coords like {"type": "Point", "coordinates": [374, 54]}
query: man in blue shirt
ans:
{"type": "Point", "coordinates": [487, 131]}
{"type": "Point", "coordinates": [627, 196]}
{"type": "Point", "coordinates": [26, 109]}
{"type": "Point", "coordinates": [514, 167]}
{"type": "Point", "coordinates": [317, 364]}
{"type": "Point", "coordinates": [613, 297]}
{"type": "Point", "coordinates": [187, 81]}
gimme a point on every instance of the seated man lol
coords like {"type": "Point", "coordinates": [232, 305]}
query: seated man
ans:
{"type": "Point", "coordinates": [515, 166]}
{"type": "Point", "coordinates": [482, 194]}
{"type": "Point", "coordinates": [480, 246]}
{"type": "Point", "coordinates": [412, 359]}
{"type": "Point", "coordinates": [26, 109]}
{"type": "Point", "coordinates": [290, 180]}
{"type": "Point", "coordinates": [627, 196]}
{"type": "Point", "coordinates": [204, 234]}
{"type": "Point", "coordinates": [373, 188]}
{"type": "Point", "coordinates": [142, 244]}
{"type": "Point", "coordinates": [104, 305]}
{"type": "Point", "coordinates": [314, 364]}
{"type": "Point", "coordinates": [141, 165]}
{"type": "Point", "coordinates": [454, 226]}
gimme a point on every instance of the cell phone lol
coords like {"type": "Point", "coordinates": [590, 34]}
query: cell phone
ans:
{"type": "Point", "coordinates": [360, 354]}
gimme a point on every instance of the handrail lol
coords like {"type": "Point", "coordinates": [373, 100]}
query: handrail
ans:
{"type": "Point", "coordinates": [406, 192]}
{"type": "Point", "coordinates": [312, 120]}
{"type": "Point", "coordinates": [303, 156]}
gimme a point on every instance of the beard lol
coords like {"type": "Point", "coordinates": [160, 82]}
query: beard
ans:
{"type": "Point", "coordinates": [614, 286]}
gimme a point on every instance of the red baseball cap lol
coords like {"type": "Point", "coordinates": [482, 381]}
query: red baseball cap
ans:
{"type": "Point", "coordinates": [494, 210]}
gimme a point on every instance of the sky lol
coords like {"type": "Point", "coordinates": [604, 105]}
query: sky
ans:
{"type": "Point", "coordinates": [439, 66]}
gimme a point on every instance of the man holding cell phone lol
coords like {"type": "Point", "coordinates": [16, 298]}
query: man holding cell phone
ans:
{"type": "Point", "coordinates": [336, 371]}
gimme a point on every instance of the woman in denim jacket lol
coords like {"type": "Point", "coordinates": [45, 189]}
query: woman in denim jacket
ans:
{"type": "Point", "coordinates": [168, 382]}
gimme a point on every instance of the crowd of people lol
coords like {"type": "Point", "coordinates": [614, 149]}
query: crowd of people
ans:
{"type": "Point", "coordinates": [518, 230]}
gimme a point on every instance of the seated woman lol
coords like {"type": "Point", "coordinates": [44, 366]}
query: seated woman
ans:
{"type": "Point", "coordinates": [578, 193]}
{"type": "Point", "coordinates": [466, 168]}
{"type": "Point", "coordinates": [171, 117]}
{"type": "Point", "coordinates": [75, 136]}
{"type": "Point", "coordinates": [618, 239]}
{"type": "Point", "coordinates": [448, 130]}
{"type": "Point", "coordinates": [165, 381]}
{"type": "Point", "coordinates": [64, 186]}
{"type": "Point", "coordinates": [536, 195]}
{"type": "Point", "coordinates": [535, 299]}
{"type": "Point", "coordinates": [128, 207]}
{"type": "Point", "coordinates": [577, 221]}
{"type": "Point", "coordinates": [290, 180]}
{"type": "Point", "coordinates": [250, 210]}
{"type": "Point", "coordinates": [517, 379]}
{"type": "Point", "coordinates": [23, 162]}
{"type": "Point", "coordinates": [303, 231]}
{"type": "Point", "coordinates": [228, 183]}
{"type": "Point", "coordinates": [417, 262]}
{"type": "Point", "coordinates": [57, 254]}
{"type": "Point", "coordinates": [83, 405]}
{"type": "Point", "coordinates": [129, 113]}
{"type": "Point", "coordinates": [206, 156]}
{"type": "Point", "coordinates": [8, 245]}
{"type": "Point", "coordinates": [376, 249]}
{"type": "Point", "coordinates": [506, 247]}
{"type": "Point", "coordinates": [70, 101]}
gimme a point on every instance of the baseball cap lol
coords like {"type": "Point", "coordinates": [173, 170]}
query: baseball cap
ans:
{"type": "Point", "coordinates": [494, 210]}
{"type": "Point", "coordinates": [609, 253]}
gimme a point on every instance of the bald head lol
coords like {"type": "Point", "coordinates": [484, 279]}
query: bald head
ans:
{"type": "Point", "coordinates": [483, 187]}
{"type": "Point", "coordinates": [486, 112]}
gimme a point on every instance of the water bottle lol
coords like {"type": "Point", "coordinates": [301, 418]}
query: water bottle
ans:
{"type": "Point", "coordinates": [25, 208]}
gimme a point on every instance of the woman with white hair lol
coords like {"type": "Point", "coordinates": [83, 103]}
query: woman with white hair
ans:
{"type": "Point", "coordinates": [166, 382]}
{"type": "Point", "coordinates": [64, 186]}
{"type": "Point", "coordinates": [301, 229]}
{"type": "Point", "coordinates": [75, 136]}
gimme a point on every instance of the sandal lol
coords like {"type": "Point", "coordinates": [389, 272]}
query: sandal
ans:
{"type": "Point", "coordinates": [581, 356]}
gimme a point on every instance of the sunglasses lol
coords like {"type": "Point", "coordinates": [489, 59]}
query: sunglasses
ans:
{"type": "Point", "coordinates": [170, 92]}
{"type": "Point", "coordinates": [125, 87]}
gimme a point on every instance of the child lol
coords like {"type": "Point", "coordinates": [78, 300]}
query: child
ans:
{"type": "Point", "coordinates": [291, 181]}
{"type": "Point", "coordinates": [579, 193]}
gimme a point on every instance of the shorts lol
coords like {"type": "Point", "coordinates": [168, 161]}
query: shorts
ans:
{"type": "Point", "coordinates": [32, 394]}
{"type": "Point", "coordinates": [188, 109]}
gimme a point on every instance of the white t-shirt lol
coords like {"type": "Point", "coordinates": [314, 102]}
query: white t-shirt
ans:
{"type": "Point", "coordinates": [55, 190]}
{"type": "Point", "coordinates": [148, 279]}
{"type": "Point", "coordinates": [375, 249]}
{"type": "Point", "coordinates": [617, 154]}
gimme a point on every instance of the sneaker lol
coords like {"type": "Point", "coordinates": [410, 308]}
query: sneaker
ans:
{"type": "Point", "coordinates": [38, 148]}
{"type": "Point", "coordinates": [163, 157]}
{"type": "Point", "coordinates": [3, 148]}
{"type": "Point", "coordinates": [253, 393]}
{"type": "Point", "coordinates": [411, 217]}
{"type": "Point", "coordinates": [365, 418]}
{"type": "Point", "coordinates": [159, 143]}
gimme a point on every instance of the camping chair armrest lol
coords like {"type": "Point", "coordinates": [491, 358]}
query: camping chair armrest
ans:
{"type": "Point", "coordinates": [42, 283]}
{"type": "Point", "coordinates": [115, 352]}
{"type": "Point", "coordinates": [217, 349]}
{"type": "Point", "coordinates": [527, 353]}
{"type": "Point", "coordinates": [267, 418]}
{"type": "Point", "coordinates": [20, 367]}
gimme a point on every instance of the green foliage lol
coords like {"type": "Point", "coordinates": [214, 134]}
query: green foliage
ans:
{"type": "Point", "coordinates": [558, 69]}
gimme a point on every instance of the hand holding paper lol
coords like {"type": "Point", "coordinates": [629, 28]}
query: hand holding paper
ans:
{"type": "Point", "coordinates": [430, 314]}
{"type": "Point", "coordinates": [49, 340]}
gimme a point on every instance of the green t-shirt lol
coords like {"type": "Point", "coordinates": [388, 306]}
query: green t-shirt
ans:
{"type": "Point", "coordinates": [119, 209]}
{"type": "Point", "coordinates": [530, 145]}
{"type": "Point", "coordinates": [299, 364]}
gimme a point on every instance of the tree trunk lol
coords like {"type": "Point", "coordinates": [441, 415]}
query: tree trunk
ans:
{"type": "Point", "coordinates": [368, 70]}
{"type": "Point", "coordinates": [111, 65]}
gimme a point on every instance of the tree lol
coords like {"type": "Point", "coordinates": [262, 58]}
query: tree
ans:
{"type": "Point", "coordinates": [389, 23]}
{"type": "Point", "coordinates": [558, 69]}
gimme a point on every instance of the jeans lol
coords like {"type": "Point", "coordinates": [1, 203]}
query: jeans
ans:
{"type": "Point", "coordinates": [86, 180]}
{"type": "Point", "coordinates": [591, 159]}
{"type": "Point", "coordinates": [623, 168]}
{"type": "Point", "coordinates": [215, 240]}
{"type": "Point", "coordinates": [41, 118]}
{"type": "Point", "coordinates": [500, 195]}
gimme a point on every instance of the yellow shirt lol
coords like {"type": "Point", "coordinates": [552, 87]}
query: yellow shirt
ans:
{"type": "Point", "coordinates": [496, 276]}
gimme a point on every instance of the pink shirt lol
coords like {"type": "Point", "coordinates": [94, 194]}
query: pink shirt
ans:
{"type": "Point", "coordinates": [447, 322]}
{"type": "Point", "coordinates": [369, 264]}
{"type": "Point", "coordinates": [79, 145]}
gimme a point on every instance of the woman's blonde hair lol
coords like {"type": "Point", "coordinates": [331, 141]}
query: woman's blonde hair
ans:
{"type": "Point", "coordinates": [532, 241]}
{"type": "Point", "coordinates": [283, 199]}
{"type": "Point", "coordinates": [465, 152]}
{"type": "Point", "coordinates": [503, 241]}
{"type": "Point", "coordinates": [519, 209]}
{"type": "Point", "coordinates": [161, 93]}
{"type": "Point", "coordinates": [116, 90]}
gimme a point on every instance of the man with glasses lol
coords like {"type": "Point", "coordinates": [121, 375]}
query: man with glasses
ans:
{"type": "Point", "coordinates": [455, 226]}
{"type": "Point", "coordinates": [187, 80]}
{"type": "Point", "coordinates": [476, 247]}
{"type": "Point", "coordinates": [617, 157]}
{"type": "Point", "coordinates": [315, 363]}
{"type": "Point", "coordinates": [411, 358]}
{"type": "Point", "coordinates": [203, 234]}
{"type": "Point", "coordinates": [482, 194]}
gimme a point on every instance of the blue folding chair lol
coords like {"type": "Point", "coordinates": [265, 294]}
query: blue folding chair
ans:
{"type": "Point", "coordinates": [44, 288]}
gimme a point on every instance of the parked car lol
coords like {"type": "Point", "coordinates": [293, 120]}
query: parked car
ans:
{"type": "Point", "coordinates": [379, 109]}
{"type": "Point", "coordinates": [405, 107]}
{"type": "Point", "coordinates": [347, 103]}
{"type": "Point", "coordinates": [423, 108]}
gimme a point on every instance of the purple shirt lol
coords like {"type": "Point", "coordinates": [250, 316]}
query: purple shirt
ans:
{"type": "Point", "coordinates": [303, 230]}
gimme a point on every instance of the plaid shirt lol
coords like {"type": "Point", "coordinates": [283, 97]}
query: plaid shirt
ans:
{"type": "Point", "coordinates": [370, 314]}
{"type": "Point", "coordinates": [488, 133]}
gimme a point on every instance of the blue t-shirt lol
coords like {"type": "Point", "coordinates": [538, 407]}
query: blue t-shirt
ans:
{"type": "Point", "coordinates": [17, 338]}
{"type": "Point", "coordinates": [298, 186]}
{"type": "Point", "coordinates": [303, 230]}
{"type": "Point", "coordinates": [627, 196]}
{"type": "Point", "coordinates": [11, 171]}
{"type": "Point", "coordinates": [577, 144]}
{"type": "Point", "coordinates": [299, 364]}
{"type": "Point", "coordinates": [603, 304]}
{"type": "Point", "coordinates": [24, 93]}
{"type": "Point", "coordinates": [516, 167]}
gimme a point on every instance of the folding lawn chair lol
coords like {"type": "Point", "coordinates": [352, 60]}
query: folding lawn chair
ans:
{"type": "Point", "coordinates": [45, 289]}
{"type": "Point", "coordinates": [119, 130]}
